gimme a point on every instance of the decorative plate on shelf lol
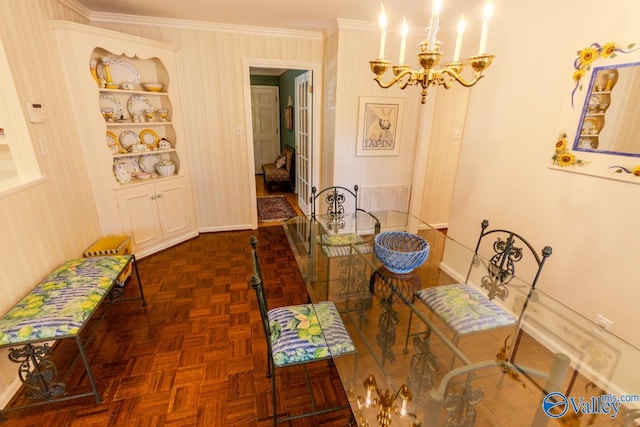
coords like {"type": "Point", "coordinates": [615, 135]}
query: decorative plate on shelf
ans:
{"type": "Point", "coordinates": [130, 164]}
{"type": "Point", "coordinates": [149, 137]}
{"type": "Point", "coordinates": [128, 139]}
{"type": "Point", "coordinates": [148, 162]}
{"type": "Point", "coordinates": [122, 71]}
{"type": "Point", "coordinates": [112, 142]}
{"type": "Point", "coordinates": [110, 101]}
{"type": "Point", "coordinates": [137, 105]}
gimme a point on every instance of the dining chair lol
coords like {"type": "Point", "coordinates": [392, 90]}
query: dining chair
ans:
{"type": "Point", "coordinates": [465, 308]}
{"type": "Point", "coordinates": [341, 205]}
{"type": "Point", "coordinates": [298, 334]}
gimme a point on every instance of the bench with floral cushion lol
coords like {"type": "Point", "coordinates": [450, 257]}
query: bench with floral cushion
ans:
{"type": "Point", "coordinates": [58, 308]}
{"type": "Point", "coordinates": [279, 172]}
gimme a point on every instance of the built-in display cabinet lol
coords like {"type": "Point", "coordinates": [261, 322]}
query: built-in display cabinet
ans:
{"type": "Point", "coordinates": [127, 109]}
{"type": "Point", "coordinates": [596, 109]}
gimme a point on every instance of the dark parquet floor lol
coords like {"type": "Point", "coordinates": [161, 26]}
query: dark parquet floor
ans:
{"type": "Point", "coordinates": [196, 355]}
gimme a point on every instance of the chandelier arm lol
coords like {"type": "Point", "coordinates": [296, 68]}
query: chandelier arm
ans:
{"type": "Point", "coordinates": [457, 77]}
{"type": "Point", "coordinates": [397, 79]}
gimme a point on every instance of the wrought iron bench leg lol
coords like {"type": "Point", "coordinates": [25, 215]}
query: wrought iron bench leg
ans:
{"type": "Point", "coordinates": [135, 267]}
{"type": "Point", "coordinates": [88, 369]}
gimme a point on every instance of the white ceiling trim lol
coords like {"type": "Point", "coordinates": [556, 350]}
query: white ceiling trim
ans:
{"type": "Point", "coordinates": [202, 26]}
{"type": "Point", "coordinates": [353, 24]}
{"type": "Point", "coordinates": [76, 7]}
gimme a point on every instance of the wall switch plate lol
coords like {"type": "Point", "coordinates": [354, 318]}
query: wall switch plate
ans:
{"type": "Point", "coordinates": [603, 322]}
{"type": "Point", "coordinates": [36, 112]}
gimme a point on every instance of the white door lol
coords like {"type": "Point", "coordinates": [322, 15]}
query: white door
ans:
{"type": "Point", "coordinates": [303, 134]}
{"type": "Point", "coordinates": [265, 118]}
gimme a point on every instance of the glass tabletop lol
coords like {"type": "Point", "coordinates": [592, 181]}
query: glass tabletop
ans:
{"type": "Point", "coordinates": [407, 350]}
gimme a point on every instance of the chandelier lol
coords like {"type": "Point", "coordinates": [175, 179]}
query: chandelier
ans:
{"type": "Point", "coordinates": [384, 403]}
{"type": "Point", "coordinates": [429, 55]}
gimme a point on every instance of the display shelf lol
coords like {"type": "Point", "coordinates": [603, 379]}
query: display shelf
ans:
{"type": "Point", "coordinates": [137, 124]}
{"type": "Point", "coordinates": [133, 92]}
{"type": "Point", "coordinates": [142, 153]}
{"type": "Point", "coordinates": [153, 179]}
{"type": "Point", "coordinates": [159, 211]}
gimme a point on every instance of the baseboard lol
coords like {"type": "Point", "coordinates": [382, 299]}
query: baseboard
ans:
{"type": "Point", "coordinates": [237, 227]}
{"type": "Point", "coordinates": [147, 251]}
{"type": "Point", "coordinates": [451, 272]}
{"type": "Point", "coordinates": [440, 226]}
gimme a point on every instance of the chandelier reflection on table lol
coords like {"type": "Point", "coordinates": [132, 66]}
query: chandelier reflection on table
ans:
{"type": "Point", "coordinates": [385, 403]}
{"type": "Point", "coordinates": [429, 55]}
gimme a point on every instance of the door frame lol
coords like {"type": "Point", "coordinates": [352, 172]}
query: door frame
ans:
{"type": "Point", "coordinates": [317, 76]}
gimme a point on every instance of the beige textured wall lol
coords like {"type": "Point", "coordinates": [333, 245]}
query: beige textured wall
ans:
{"type": "Point", "coordinates": [511, 128]}
{"type": "Point", "coordinates": [356, 46]}
{"type": "Point", "coordinates": [55, 220]}
{"type": "Point", "coordinates": [211, 68]}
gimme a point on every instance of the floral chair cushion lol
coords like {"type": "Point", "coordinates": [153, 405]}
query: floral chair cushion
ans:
{"type": "Point", "coordinates": [464, 309]}
{"type": "Point", "coordinates": [297, 335]}
{"type": "Point", "coordinates": [336, 245]}
{"type": "Point", "coordinates": [60, 305]}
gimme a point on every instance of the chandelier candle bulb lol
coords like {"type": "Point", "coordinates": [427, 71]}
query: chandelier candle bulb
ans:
{"type": "Point", "coordinates": [435, 23]}
{"type": "Point", "coordinates": [429, 55]}
{"type": "Point", "coordinates": [382, 21]}
{"type": "Point", "coordinates": [404, 30]}
{"type": "Point", "coordinates": [462, 25]}
{"type": "Point", "coordinates": [486, 16]}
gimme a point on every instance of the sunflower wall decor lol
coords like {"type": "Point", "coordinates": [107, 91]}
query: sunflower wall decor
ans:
{"type": "Point", "coordinates": [563, 157]}
{"type": "Point", "coordinates": [586, 57]}
{"type": "Point", "coordinates": [633, 171]}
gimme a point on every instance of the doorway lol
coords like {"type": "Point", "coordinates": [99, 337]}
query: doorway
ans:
{"type": "Point", "coordinates": [311, 150]}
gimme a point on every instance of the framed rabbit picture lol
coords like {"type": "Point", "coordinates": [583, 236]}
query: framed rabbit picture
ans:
{"type": "Point", "coordinates": [378, 126]}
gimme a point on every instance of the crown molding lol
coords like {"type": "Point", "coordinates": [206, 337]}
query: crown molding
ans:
{"type": "Point", "coordinates": [353, 24]}
{"type": "Point", "coordinates": [202, 25]}
{"type": "Point", "coordinates": [76, 7]}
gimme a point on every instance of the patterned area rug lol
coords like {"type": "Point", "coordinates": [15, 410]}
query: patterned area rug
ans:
{"type": "Point", "coordinates": [274, 208]}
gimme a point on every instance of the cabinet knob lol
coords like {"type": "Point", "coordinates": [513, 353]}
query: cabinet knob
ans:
{"type": "Point", "coordinates": [153, 197]}
{"type": "Point", "coordinates": [159, 195]}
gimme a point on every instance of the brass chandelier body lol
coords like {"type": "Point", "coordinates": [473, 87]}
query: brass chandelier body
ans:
{"type": "Point", "coordinates": [429, 56]}
{"type": "Point", "coordinates": [430, 76]}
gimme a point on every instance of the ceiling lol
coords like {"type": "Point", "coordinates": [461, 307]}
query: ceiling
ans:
{"type": "Point", "coordinates": [288, 14]}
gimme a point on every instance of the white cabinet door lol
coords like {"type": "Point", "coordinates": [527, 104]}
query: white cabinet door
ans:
{"type": "Point", "coordinates": [156, 214]}
{"type": "Point", "coordinates": [171, 197]}
{"type": "Point", "coordinates": [139, 214]}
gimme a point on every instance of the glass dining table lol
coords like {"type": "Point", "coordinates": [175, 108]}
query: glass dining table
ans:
{"type": "Point", "coordinates": [408, 369]}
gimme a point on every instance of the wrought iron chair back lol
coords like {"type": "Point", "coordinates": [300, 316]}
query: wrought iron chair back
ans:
{"type": "Point", "coordinates": [337, 240]}
{"type": "Point", "coordinates": [336, 200]}
{"type": "Point", "coordinates": [466, 310]}
{"type": "Point", "coordinates": [508, 250]}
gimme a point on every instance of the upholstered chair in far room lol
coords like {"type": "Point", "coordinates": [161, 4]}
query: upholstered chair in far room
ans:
{"type": "Point", "coordinates": [480, 303]}
{"type": "Point", "coordinates": [298, 334]}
